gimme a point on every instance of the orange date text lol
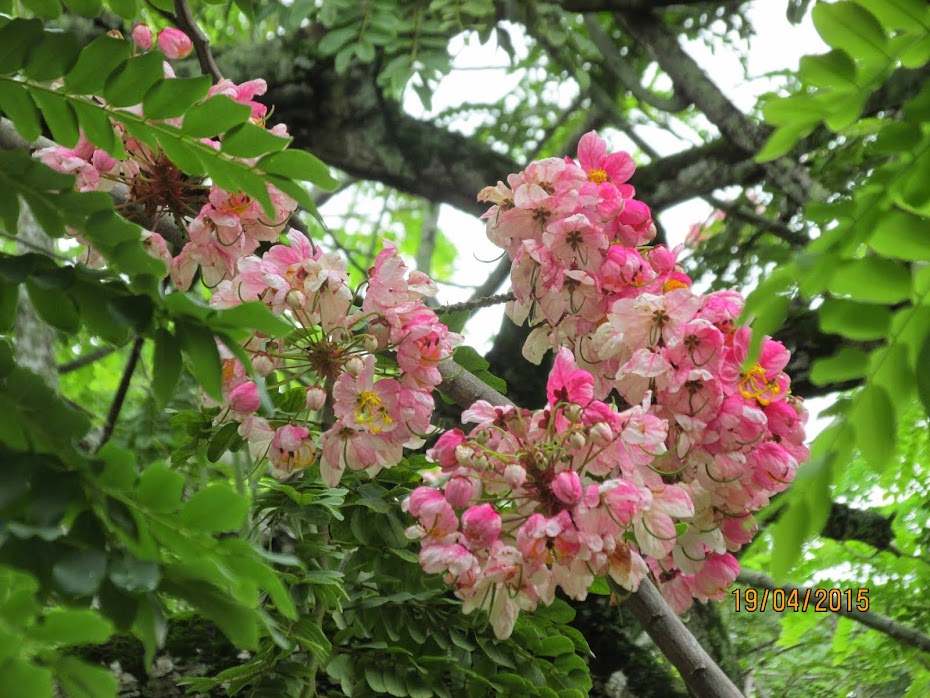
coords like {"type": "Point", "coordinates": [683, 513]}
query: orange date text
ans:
{"type": "Point", "coordinates": [818, 600]}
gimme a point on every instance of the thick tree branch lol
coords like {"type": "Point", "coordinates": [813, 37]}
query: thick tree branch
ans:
{"type": "Point", "coordinates": [876, 621]}
{"type": "Point", "coordinates": [670, 635]}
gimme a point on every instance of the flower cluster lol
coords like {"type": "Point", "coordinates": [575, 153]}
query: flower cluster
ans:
{"type": "Point", "coordinates": [220, 227]}
{"type": "Point", "coordinates": [356, 414]}
{"type": "Point", "coordinates": [663, 485]}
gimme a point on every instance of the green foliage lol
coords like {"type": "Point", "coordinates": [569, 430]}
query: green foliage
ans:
{"type": "Point", "coordinates": [870, 259]}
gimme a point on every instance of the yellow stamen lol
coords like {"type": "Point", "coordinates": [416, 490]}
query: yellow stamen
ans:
{"type": "Point", "coordinates": [368, 410]}
{"type": "Point", "coordinates": [229, 367]}
{"type": "Point", "coordinates": [672, 284]}
{"type": "Point", "coordinates": [597, 176]}
{"type": "Point", "coordinates": [755, 386]}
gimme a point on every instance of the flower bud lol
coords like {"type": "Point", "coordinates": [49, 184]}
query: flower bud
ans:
{"type": "Point", "coordinates": [514, 475]}
{"type": "Point", "coordinates": [142, 35]}
{"type": "Point", "coordinates": [567, 487]}
{"type": "Point", "coordinates": [481, 524]}
{"type": "Point", "coordinates": [601, 434]}
{"type": "Point", "coordinates": [370, 342]}
{"type": "Point", "coordinates": [355, 366]}
{"type": "Point", "coordinates": [243, 399]}
{"type": "Point", "coordinates": [263, 364]}
{"type": "Point", "coordinates": [577, 440]}
{"type": "Point", "coordinates": [481, 436]}
{"type": "Point", "coordinates": [459, 491]}
{"type": "Point", "coordinates": [316, 398]}
{"type": "Point", "coordinates": [174, 43]}
{"type": "Point", "coordinates": [572, 412]}
{"type": "Point", "coordinates": [295, 299]}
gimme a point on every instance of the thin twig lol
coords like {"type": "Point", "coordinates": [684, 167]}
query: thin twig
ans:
{"type": "Point", "coordinates": [117, 405]}
{"type": "Point", "coordinates": [186, 23]}
{"type": "Point", "coordinates": [86, 360]}
{"type": "Point", "coordinates": [35, 248]}
{"type": "Point", "coordinates": [476, 303]}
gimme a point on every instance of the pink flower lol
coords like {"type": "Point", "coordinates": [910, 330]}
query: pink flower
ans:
{"type": "Point", "coordinates": [481, 525]}
{"type": "Point", "coordinates": [600, 167]}
{"type": "Point", "coordinates": [244, 399]}
{"type": "Point", "coordinates": [567, 487]}
{"type": "Point", "coordinates": [291, 450]}
{"type": "Point", "coordinates": [174, 43]}
{"type": "Point", "coordinates": [567, 382]}
{"type": "Point", "coordinates": [142, 35]}
{"type": "Point", "coordinates": [459, 492]}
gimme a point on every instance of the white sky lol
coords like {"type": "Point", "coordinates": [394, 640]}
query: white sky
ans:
{"type": "Point", "coordinates": [777, 46]}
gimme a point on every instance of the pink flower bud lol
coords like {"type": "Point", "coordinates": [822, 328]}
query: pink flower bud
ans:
{"type": "Point", "coordinates": [354, 366]}
{"type": "Point", "coordinates": [290, 437]}
{"type": "Point", "coordinates": [444, 452]}
{"type": "Point", "coordinates": [459, 491]}
{"type": "Point", "coordinates": [316, 398]}
{"type": "Point", "coordinates": [577, 440]}
{"type": "Point", "coordinates": [174, 43]}
{"type": "Point", "coordinates": [419, 498]}
{"type": "Point", "coordinates": [481, 525]}
{"type": "Point", "coordinates": [514, 475]}
{"type": "Point", "coordinates": [601, 434]}
{"type": "Point", "coordinates": [243, 399]}
{"type": "Point", "coordinates": [142, 35]}
{"type": "Point", "coordinates": [103, 161]}
{"type": "Point", "coordinates": [567, 487]}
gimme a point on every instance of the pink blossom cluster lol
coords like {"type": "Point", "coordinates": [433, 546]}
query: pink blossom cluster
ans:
{"type": "Point", "coordinates": [357, 414]}
{"type": "Point", "coordinates": [663, 485]}
{"type": "Point", "coordinates": [219, 227]}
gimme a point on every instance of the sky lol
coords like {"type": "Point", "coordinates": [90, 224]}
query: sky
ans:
{"type": "Point", "coordinates": [777, 46]}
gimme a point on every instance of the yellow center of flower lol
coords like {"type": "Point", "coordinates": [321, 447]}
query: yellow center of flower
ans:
{"type": "Point", "coordinates": [755, 386]}
{"type": "Point", "coordinates": [229, 368]}
{"type": "Point", "coordinates": [368, 410]}
{"type": "Point", "coordinates": [597, 176]}
{"type": "Point", "coordinates": [672, 284]}
{"type": "Point", "coordinates": [238, 203]}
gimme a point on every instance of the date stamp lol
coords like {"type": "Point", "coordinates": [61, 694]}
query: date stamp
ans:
{"type": "Point", "coordinates": [818, 600]}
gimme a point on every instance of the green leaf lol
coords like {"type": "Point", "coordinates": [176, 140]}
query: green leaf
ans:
{"type": "Point", "coordinates": [253, 316]}
{"type": "Point", "coordinates": [875, 421]}
{"type": "Point", "coordinates": [174, 97]}
{"type": "Point", "coordinates": [80, 572]}
{"type": "Point", "coordinates": [83, 680]}
{"type": "Point", "coordinates": [215, 509]}
{"type": "Point", "coordinates": [54, 58]}
{"type": "Point", "coordinates": [239, 624]}
{"type": "Point", "coordinates": [782, 141]}
{"type": "Point", "coordinates": [909, 15]}
{"type": "Point", "coordinates": [847, 364]}
{"type": "Point", "coordinates": [250, 141]}
{"type": "Point", "coordinates": [221, 441]}
{"type": "Point", "coordinates": [128, 85]}
{"type": "Point", "coordinates": [860, 321]}
{"type": "Point", "coordinates": [199, 346]}
{"type": "Point", "coordinates": [95, 64]}
{"type": "Point", "coordinates": [160, 488]}
{"type": "Point", "coordinates": [299, 164]}
{"type": "Point", "coordinates": [166, 366]}
{"type": "Point", "coordinates": [789, 533]}
{"type": "Point", "coordinates": [59, 115]}
{"type": "Point", "coordinates": [98, 128]}
{"type": "Point", "coordinates": [23, 679]}
{"type": "Point", "coordinates": [134, 575]}
{"type": "Point", "coordinates": [871, 280]}
{"type": "Point", "coordinates": [217, 115]}
{"type": "Point", "coordinates": [18, 105]}
{"type": "Point", "coordinates": [127, 9]}
{"type": "Point", "coordinates": [555, 646]}
{"type": "Point", "coordinates": [46, 9]}
{"type": "Point", "coordinates": [85, 8]}
{"type": "Point", "coordinates": [913, 189]}
{"type": "Point", "coordinates": [16, 39]}
{"type": "Point", "coordinates": [923, 374]}
{"type": "Point", "coordinates": [833, 69]}
{"type": "Point", "coordinates": [845, 25]}
{"type": "Point", "coordinates": [56, 308]}
{"type": "Point", "coordinates": [66, 626]}
{"type": "Point", "coordinates": [902, 235]}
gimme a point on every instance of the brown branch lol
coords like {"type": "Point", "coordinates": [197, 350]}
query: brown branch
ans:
{"type": "Point", "coordinates": [477, 303]}
{"type": "Point", "coordinates": [621, 68]}
{"type": "Point", "coordinates": [876, 621]}
{"type": "Point", "coordinates": [691, 81]}
{"type": "Point", "coordinates": [185, 21]}
{"type": "Point", "coordinates": [86, 360]}
{"type": "Point", "coordinates": [120, 397]}
{"type": "Point", "coordinates": [700, 672]}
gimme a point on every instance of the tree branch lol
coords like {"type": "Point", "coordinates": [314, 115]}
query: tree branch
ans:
{"type": "Point", "coordinates": [876, 621]}
{"type": "Point", "coordinates": [120, 397]}
{"type": "Point", "coordinates": [636, 5]}
{"type": "Point", "coordinates": [670, 635]}
{"type": "Point", "coordinates": [185, 21]}
{"type": "Point", "coordinates": [86, 360]}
